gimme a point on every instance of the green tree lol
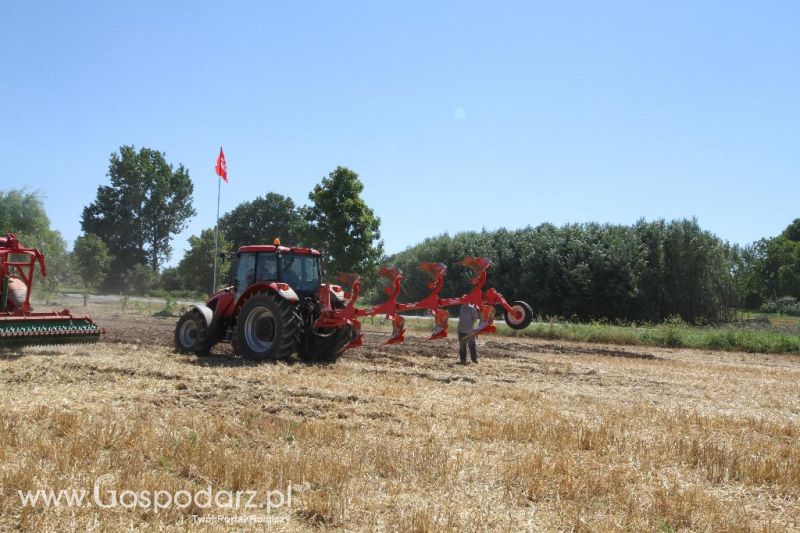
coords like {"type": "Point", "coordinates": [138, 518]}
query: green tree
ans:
{"type": "Point", "coordinates": [591, 271]}
{"type": "Point", "coordinates": [91, 259]}
{"type": "Point", "coordinates": [770, 268]}
{"type": "Point", "coordinates": [746, 277]}
{"type": "Point", "coordinates": [779, 267]}
{"type": "Point", "coordinates": [140, 279]}
{"type": "Point", "coordinates": [23, 214]}
{"type": "Point", "coordinates": [136, 215]}
{"type": "Point", "coordinates": [59, 265]}
{"type": "Point", "coordinates": [342, 226]}
{"type": "Point", "coordinates": [196, 269]}
{"type": "Point", "coordinates": [792, 231]}
{"type": "Point", "coordinates": [171, 280]}
{"type": "Point", "coordinates": [698, 274]}
{"type": "Point", "coordinates": [262, 220]}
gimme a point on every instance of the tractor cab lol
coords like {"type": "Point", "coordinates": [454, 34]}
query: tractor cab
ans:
{"type": "Point", "coordinates": [297, 267]}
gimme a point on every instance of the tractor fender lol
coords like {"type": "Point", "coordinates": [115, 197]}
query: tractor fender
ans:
{"type": "Point", "coordinates": [286, 292]}
{"type": "Point", "coordinates": [281, 289]}
{"type": "Point", "coordinates": [207, 312]}
{"type": "Point", "coordinates": [221, 303]}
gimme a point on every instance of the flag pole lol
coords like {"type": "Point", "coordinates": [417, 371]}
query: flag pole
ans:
{"type": "Point", "coordinates": [216, 237]}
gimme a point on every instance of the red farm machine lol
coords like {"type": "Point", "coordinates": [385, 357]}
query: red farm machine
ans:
{"type": "Point", "coordinates": [279, 306]}
{"type": "Point", "coordinates": [19, 325]}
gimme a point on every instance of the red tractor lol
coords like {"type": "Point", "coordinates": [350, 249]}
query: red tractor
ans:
{"type": "Point", "coordinates": [279, 306]}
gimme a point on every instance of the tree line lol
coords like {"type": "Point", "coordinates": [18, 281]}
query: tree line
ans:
{"type": "Point", "coordinates": [649, 271]}
{"type": "Point", "coordinates": [129, 227]}
{"type": "Point", "coordinates": [646, 272]}
{"type": "Point", "coordinates": [767, 272]}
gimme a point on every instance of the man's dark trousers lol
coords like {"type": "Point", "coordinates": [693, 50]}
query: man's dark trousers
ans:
{"type": "Point", "coordinates": [465, 339]}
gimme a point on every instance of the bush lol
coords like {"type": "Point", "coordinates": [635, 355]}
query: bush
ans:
{"type": "Point", "coordinates": [170, 308]}
{"type": "Point", "coordinates": [141, 279]}
{"type": "Point", "coordinates": [785, 305]}
{"type": "Point", "coordinates": [672, 331]}
{"type": "Point", "coordinates": [170, 280]}
{"type": "Point", "coordinates": [177, 295]}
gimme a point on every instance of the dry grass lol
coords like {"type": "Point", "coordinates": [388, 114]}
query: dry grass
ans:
{"type": "Point", "coordinates": [539, 436]}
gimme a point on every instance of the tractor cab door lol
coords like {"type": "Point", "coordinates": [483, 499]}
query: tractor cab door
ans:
{"type": "Point", "coordinates": [267, 266]}
{"type": "Point", "coordinates": [301, 272]}
{"type": "Point", "coordinates": [254, 268]}
{"type": "Point", "coordinates": [245, 272]}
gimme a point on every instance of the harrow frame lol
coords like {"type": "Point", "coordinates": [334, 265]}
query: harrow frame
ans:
{"type": "Point", "coordinates": [19, 326]}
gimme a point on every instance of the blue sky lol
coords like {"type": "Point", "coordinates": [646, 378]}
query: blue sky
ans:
{"type": "Point", "coordinates": [457, 115]}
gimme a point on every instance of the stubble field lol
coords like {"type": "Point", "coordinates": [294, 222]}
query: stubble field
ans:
{"type": "Point", "coordinates": [541, 435]}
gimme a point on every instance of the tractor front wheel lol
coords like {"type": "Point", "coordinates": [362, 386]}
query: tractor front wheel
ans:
{"type": "Point", "coordinates": [266, 328]}
{"type": "Point", "coordinates": [520, 316]}
{"type": "Point", "coordinates": [191, 334]}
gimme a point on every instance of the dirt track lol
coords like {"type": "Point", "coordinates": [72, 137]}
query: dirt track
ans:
{"type": "Point", "coordinates": [539, 435]}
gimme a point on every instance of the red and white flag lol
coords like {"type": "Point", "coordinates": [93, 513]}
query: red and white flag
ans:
{"type": "Point", "coordinates": [222, 167]}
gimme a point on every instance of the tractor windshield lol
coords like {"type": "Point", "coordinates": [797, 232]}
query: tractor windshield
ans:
{"type": "Point", "coordinates": [301, 272]}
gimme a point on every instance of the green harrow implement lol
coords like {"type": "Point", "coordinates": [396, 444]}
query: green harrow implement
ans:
{"type": "Point", "coordinates": [19, 325]}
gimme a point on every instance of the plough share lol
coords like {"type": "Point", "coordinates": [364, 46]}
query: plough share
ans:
{"type": "Point", "coordinates": [517, 314]}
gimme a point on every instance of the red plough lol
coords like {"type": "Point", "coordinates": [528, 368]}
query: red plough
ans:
{"type": "Point", "coordinates": [517, 314]}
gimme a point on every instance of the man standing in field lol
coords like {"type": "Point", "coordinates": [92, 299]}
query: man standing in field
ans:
{"type": "Point", "coordinates": [467, 317]}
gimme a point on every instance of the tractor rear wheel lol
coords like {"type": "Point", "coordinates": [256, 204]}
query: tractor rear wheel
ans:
{"type": "Point", "coordinates": [524, 318]}
{"type": "Point", "coordinates": [326, 348]}
{"type": "Point", "coordinates": [266, 328]}
{"type": "Point", "coordinates": [191, 334]}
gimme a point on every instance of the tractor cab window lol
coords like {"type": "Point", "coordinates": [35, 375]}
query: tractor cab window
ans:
{"type": "Point", "coordinates": [266, 267]}
{"type": "Point", "coordinates": [301, 272]}
{"type": "Point", "coordinates": [245, 272]}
